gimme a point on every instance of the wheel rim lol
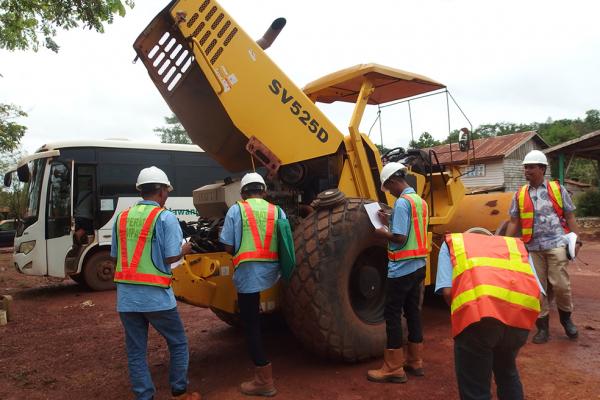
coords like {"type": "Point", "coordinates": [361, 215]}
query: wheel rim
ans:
{"type": "Point", "coordinates": [105, 271]}
{"type": "Point", "coordinates": [367, 284]}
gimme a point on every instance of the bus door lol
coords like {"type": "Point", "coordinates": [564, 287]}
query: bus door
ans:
{"type": "Point", "coordinates": [58, 216]}
{"type": "Point", "coordinates": [30, 244]}
{"type": "Point", "coordinates": [85, 209]}
{"type": "Point", "coordinates": [85, 212]}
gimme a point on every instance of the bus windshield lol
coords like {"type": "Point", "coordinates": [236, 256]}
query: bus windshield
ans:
{"type": "Point", "coordinates": [34, 191]}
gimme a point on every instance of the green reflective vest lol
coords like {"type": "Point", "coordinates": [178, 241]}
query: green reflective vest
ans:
{"type": "Point", "coordinates": [416, 243]}
{"type": "Point", "coordinates": [134, 247]}
{"type": "Point", "coordinates": [259, 237]}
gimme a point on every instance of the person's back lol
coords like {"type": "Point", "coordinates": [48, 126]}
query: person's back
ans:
{"type": "Point", "coordinates": [146, 240]}
{"type": "Point", "coordinates": [249, 234]}
{"type": "Point", "coordinates": [493, 294]}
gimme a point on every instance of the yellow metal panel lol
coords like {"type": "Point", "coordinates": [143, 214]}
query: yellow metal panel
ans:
{"type": "Point", "coordinates": [362, 175]}
{"type": "Point", "coordinates": [390, 84]}
{"type": "Point", "coordinates": [487, 210]}
{"type": "Point", "coordinates": [445, 198]}
{"type": "Point", "coordinates": [259, 98]}
{"type": "Point", "coordinates": [347, 184]}
{"type": "Point", "coordinates": [191, 288]}
{"type": "Point", "coordinates": [206, 280]}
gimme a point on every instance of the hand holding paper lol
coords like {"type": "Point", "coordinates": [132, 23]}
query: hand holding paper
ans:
{"type": "Point", "coordinates": [372, 211]}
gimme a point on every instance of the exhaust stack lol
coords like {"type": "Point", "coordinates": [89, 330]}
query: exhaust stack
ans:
{"type": "Point", "coordinates": [271, 34]}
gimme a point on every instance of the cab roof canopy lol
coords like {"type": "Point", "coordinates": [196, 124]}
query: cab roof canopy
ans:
{"type": "Point", "coordinates": [390, 84]}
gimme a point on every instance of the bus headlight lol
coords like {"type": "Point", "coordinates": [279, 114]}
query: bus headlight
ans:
{"type": "Point", "coordinates": [26, 247]}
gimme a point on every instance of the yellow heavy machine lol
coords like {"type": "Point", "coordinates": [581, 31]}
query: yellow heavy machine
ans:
{"type": "Point", "coordinates": [242, 109]}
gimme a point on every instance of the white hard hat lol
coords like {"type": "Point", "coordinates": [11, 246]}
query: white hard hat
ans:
{"type": "Point", "coordinates": [152, 175]}
{"type": "Point", "coordinates": [390, 169]}
{"type": "Point", "coordinates": [535, 157]}
{"type": "Point", "coordinates": [252, 177]}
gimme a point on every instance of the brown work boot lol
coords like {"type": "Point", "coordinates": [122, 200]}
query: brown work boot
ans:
{"type": "Point", "coordinates": [392, 370]}
{"type": "Point", "coordinates": [414, 359]}
{"type": "Point", "coordinates": [188, 396]}
{"type": "Point", "coordinates": [262, 384]}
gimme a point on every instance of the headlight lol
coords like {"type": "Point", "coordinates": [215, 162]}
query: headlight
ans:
{"type": "Point", "coordinates": [26, 247]}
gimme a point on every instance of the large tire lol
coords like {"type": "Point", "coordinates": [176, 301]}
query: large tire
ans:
{"type": "Point", "coordinates": [232, 320]}
{"type": "Point", "coordinates": [335, 298]}
{"type": "Point", "coordinates": [79, 279]}
{"type": "Point", "coordinates": [268, 322]}
{"type": "Point", "coordinates": [99, 271]}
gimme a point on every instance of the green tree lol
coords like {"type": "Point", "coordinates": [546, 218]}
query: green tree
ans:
{"type": "Point", "coordinates": [452, 137]}
{"type": "Point", "coordinates": [10, 131]}
{"type": "Point", "coordinates": [24, 23]}
{"type": "Point", "coordinates": [425, 140]}
{"type": "Point", "coordinates": [501, 129]}
{"type": "Point", "coordinates": [15, 196]}
{"type": "Point", "coordinates": [592, 121]}
{"type": "Point", "coordinates": [382, 149]}
{"type": "Point", "coordinates": [173, 132]}
{"type": "Point", "coordinates": [588, 204]}
{"type": "Point", "coordinates": [560, 131]}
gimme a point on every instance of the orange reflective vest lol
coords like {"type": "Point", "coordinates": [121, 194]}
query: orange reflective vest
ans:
{"type": "Point", "coordinates": [527, 210]}
{"type": "Point", "coordinates": [491, 277]}
{"type": "Point", "coordinates": [259, 237]}
{"type": "Point", "coordinates": [135, 232]}
{"type": "Point", "coordinates": [416, 242]}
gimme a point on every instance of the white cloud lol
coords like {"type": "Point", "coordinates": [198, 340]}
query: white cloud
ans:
{"type": "Point", "coordinates": [519, 61]}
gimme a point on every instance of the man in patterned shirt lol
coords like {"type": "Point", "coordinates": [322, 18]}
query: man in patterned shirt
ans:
{"type": "Point", "coordinates": [544, 211]}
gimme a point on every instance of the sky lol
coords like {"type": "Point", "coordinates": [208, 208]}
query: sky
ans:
{"type": "Point", "coordinates": [514, 61]}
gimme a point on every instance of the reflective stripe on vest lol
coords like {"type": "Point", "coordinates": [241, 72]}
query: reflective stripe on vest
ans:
{"type": "Point", "coordinates": [527, 210]}
{"type": "Point", "coordinates": [255, 249]}
{"type": "Point", "coordinates": [416, 243]}
{"type": "Point", "coordinates": [491, 277]}
{"type": "Point", "coordinates": [131, 271]}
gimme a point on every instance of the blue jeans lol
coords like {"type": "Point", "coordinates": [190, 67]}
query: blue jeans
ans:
{"type": "Point", "coordinates": [169, 325]}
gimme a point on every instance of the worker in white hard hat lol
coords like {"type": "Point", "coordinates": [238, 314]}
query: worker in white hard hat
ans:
{"type": "Point", "coordinates": [146, 240]}
{"type": "Point", "coordinates": [407, 255]}
{"type": "Point", "coordinates": [544, 212]}
{"type": "Point", "coordinates": [249, 234]}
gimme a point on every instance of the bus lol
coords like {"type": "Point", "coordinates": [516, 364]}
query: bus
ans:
{"type": "Point", "coordinates": [87, 183]}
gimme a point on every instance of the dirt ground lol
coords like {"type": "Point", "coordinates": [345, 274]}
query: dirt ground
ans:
{"type": "Point", "coordinates": [67, 343]}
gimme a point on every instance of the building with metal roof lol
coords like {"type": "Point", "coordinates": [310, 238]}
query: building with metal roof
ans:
{"type": "Point", "coordinates": [495, 163]}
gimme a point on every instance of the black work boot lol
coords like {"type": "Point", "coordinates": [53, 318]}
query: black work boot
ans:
{"type": "Point", "coordinates": [567, 323]}
{"type": "Point", "coordinates": [542, 334]}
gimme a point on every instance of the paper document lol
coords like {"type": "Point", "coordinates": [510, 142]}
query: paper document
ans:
{"type": "Point", "coordinates": [177, 263]}
{"type": "Point", "coordinates": [180, 261]}
{"type": "Point", "coordinates": [570, 240]}
{"type": "Point", "coordinates": [372, 209]}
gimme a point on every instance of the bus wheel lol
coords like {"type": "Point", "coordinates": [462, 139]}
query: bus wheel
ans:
{"type": "Point", "coordinates": [99, 271]}
{"type": "Point", "coordinates": [78, 278]}
{"type": "Point", "coordinates": [335, 298]}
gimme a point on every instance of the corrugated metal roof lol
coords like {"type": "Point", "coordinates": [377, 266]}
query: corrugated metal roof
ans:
{"type": "Point", "coordinates": [587, 145]}
{"type": "Point", "coordinates": [485, 149]}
